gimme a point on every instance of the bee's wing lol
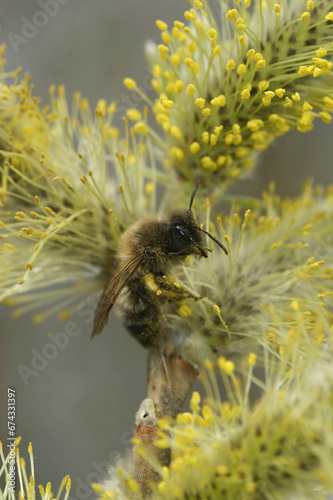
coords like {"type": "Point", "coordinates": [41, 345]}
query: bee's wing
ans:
{"type": "Point", "coordinates": [112, 290]}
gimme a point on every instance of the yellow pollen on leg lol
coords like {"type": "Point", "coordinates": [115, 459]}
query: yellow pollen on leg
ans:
{"type": "Point", "coordinates": [184, 310]}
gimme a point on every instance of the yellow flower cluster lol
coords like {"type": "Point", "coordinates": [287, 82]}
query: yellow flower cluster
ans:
{"type": "Point", "coordinates": [67, 184]}
{"type": "Point", "coordinates": [225, 95]}
{"type": "Point", "coordinates": [226, 449]}
{"type": "Point", "coordinates": [280, 254]}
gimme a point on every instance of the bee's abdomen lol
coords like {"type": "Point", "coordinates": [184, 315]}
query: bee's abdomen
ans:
{"type": "Point", "coordinates": [140, 313]}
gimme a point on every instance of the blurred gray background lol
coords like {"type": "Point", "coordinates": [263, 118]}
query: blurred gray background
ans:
{"type": "Point", "coordinates": [79, 409]}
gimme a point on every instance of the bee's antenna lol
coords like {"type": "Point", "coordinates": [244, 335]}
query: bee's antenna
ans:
{"type": "Point", "coordinates": [193, 195]}
{"type": "Point", "coordinates": [214, 239]}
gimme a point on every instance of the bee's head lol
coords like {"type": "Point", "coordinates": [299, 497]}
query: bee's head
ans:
{"type": "Point", "coordinates": [186, 235]}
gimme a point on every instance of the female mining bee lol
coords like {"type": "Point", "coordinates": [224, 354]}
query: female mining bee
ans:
{"type": "Point", "coordinates": [140, 285]}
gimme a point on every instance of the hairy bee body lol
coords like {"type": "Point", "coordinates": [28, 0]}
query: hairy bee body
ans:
{"type": "Point", "coordinates": [139, 303]}
{"type": "Point", "coordinates": [140, 284]}
{"type": "Point", "coordinates": [140, 311]}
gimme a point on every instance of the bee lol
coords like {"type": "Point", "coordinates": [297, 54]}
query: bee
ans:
{"type": "Point", "coordinates": [139, 286]}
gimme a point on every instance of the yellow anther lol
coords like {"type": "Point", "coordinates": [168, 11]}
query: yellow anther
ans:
{"type": "Point", "coordinates": [307, 106]}
{"type": "Point", "coordinates": [287, 103]}
{"type": "Point", "coordinates": [179, 85]}
{"type": "Point", "coordinates": [163, 50]}
{"type": "Point", "coordinates": [161, 25]}
{"type": "Point", "coordinates": [241, 69]}
{"type": "Point", "coordinates": [175, 59]}
{"type": "Point", "coordinates": [194, 147]}
{"type": "Point", "coordinates": [296, 97]}
{"type": "Point", "coordinates": [97, 488]}
{"type": "Point", "coordinates": [321, 52]}
{"type": "Point", "coordinates": [255, 124]}
{"type": "Point", "coordinates": [251, 53]}
{"type": "Point", "coordinates": [222, 100]}
{"type": "Point", "coordinates": [231, 14]}
{"type": "Point", "coordinates": [263, 85]}
{"type": "Point", "coordinates": [177, 153]}
{"type": "Point", "coordinates": [178, 24]}
{"type": "Point", "coordinates": [190, 15]}
{"type": "Point", "coordinates": [176, 132]}
{"type": "Point", "coordinates": [205, 137]}
{"type": "Point", "coordinates": [192, 47]}
{"type": "Point", "coordinates": [200, 102]}
{"type": "Point", "coordinates": [190, 89]}
{"type": "Point", "coordinates": [129, 83]}
{"type": "Point", "coordinates": [252, 359]}
{"type": "Point", "coordinates": [303, 71]}
{"type": "Point", "coordinates": [212, 33]}
{"type": "Point", "coordinates": [230, 65]}
{"type": "Point", "coordinates": [134, 114]}
{"type": "Point", "coordinates": [280, 92]}
{"type": "Point", "coordinates": [189, 62]}
{"type": "Point", "coordinates": [245, 94]}
{"type": "Point", "coordinates": [157, 70]}
{"type": "Point", "coordinates": [167, 103]}
{"type": "Point", "coordinates": [226, 366]}
{"type": "Point", "coordinates": [261, 64]}
{"type": "Point", "coordinates": [140, 128]}
{"type": "Point", "coordinates": [195, 401]}
{"type": "Point", "coordinates": [326, 117]}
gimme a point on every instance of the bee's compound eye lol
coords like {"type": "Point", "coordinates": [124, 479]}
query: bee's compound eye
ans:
{"type": "Point", "coordinates": [180, 230]}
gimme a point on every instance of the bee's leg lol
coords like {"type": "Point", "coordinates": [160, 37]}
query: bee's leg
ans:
{"type": "Point", "coordinates": [181, 253]}
{"type": "Point", "coordinates": [172, 292]}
